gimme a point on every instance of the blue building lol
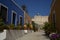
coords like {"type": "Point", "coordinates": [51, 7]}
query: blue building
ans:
{"type": "Point", "coordinates": [11, 12]}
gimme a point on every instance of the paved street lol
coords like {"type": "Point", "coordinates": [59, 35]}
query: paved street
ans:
{"type": "Point", "coordinates": [34, 36]}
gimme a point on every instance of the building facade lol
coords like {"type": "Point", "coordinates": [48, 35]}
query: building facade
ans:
{"type": "Point", "coordinates": [11, 13]}
{"type": "Point", "coordinates": [27, 19]}
{"type": "Point", "coordinates": [54, 16]}
{"type": "Point", "coordinates": [40, 20]}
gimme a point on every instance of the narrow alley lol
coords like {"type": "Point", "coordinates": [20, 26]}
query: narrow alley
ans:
{"type": "Point", "coordinates": [29, 19]}
{"type": "Point", "coordinates": [34, 36]}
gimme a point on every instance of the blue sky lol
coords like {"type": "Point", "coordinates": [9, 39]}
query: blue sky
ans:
{"type": "Point", "coordinates": [36, 6]}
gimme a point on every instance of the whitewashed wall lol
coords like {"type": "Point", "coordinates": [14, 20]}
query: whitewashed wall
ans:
{"type": "Point", "coordinates": [3, 35]}
{"type": "Point", "coordinates": [12, 34]}
{"type": "Point", "coordinates": [15, 34]}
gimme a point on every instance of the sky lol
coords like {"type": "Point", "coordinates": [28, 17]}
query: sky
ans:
{"type": "Point", "coordinates": [36, 6]}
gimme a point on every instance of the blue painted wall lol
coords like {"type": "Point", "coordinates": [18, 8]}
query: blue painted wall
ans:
{"type": "Point", "coordinates": [11, 6]}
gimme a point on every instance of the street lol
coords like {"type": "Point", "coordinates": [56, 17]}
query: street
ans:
{"type": "Point", "coordinates": [34, 36]}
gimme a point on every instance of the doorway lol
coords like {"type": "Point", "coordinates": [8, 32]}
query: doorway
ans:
{"type": "Point", "coordinates": [3, 13]}
{"type": "Point", "coordinates": [14, 18]}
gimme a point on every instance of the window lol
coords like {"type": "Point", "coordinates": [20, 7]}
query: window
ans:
{"type": "Point", "coordinates": [3, 13]}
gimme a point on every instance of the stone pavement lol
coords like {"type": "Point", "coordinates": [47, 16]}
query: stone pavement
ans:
{"type": "Point", "coordinates": [34, 36]}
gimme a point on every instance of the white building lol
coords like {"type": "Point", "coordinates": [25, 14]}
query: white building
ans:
{"type": "Point", "coordinates": [40, 20]}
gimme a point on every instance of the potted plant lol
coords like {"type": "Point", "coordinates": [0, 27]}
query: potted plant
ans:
{"type": "Point", "coordinates": [11, 26]}
{"type": "Point", "coordinates": [54, 36]}
{"type": "Point", "coordinates": [46, 28]}
{"type": "Point", "coordinates": [18, 27]}
{"type": "Point", "coordinates": [1, 25]}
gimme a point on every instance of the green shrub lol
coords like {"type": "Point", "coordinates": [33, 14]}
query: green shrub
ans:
{"type": "Point", "coordinates": [2, 25]}
{"type": "Point", "coordinates": [11, 26]}
{"type": "Point", "coordinates": [18, 27]}
{"type": "Point", "coordinates": [48, 28]}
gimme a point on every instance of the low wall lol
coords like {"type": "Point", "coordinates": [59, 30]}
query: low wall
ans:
{"type": "Point", "coordinates": [3, 35]}
{"type": "Point", "coordinates": [15, 34]}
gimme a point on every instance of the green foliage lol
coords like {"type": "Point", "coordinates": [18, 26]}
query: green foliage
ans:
{"type": "Point", "coordinates": [28, 25]}
{"type": "Point", "coordinates": [33, 24]}
{"type": "Point", "coordinates": [48, 28]}
{"type": "Point", "coordinates": [2, 25]}
{"type": "Point", "coordinates": [52, 28]}
{"type": "Point", "coordinates": [24, 7]}
{"type": "Point", "coordinates": [1, 22]}
{"type": "Point", "coordinates": [5, 26]}
{"type": "Point", "coordinates": [11, 26]}
{"type": "Point", "coordinates": [18, 27]}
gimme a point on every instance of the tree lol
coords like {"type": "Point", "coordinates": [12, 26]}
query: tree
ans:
{"type": "Point", "coordinates": [46, 26]}
{"type": "Point", "coordinates": [49, 28]}
{"type": "Point", "coordinates": [24, 8]}
{"type": "Point", "coordinates": [33, 24]}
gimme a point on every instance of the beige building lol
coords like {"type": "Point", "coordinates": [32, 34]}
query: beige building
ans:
{"type": "Point", "coordinates": [40, 20]}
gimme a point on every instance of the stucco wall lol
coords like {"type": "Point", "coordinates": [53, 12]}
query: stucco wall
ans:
{"type": "Point", "coordinates": [15, 34]}
{"type": "Point", "coordinates": [55, 7]}
{"type": "Point", "coordinates": [11, 6]}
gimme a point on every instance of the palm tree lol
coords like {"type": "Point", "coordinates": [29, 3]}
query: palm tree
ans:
{"type": "Point", "coordinates": [24, 8]}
